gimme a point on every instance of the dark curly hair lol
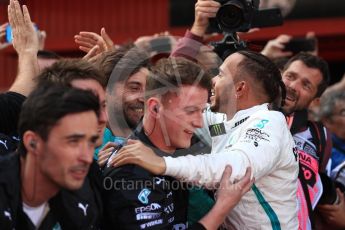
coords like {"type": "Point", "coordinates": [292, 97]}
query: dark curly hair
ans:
{"type": "Point", "coordinates": [265, 73]}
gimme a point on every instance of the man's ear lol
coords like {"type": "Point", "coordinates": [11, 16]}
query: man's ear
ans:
{"type": "Point", "coordinates": [241, 88]}
{"type": "Point", "coordinates": [32, 142]}
{"type": "Point", "coordinates": [154, 107]}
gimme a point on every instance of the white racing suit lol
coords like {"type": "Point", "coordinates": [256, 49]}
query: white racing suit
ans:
{"type": "Point", "coordinates": [259, 138]}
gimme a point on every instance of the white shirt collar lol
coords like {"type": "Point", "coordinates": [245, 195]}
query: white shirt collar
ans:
{"type": "Point", "coordinates": [247, 112]}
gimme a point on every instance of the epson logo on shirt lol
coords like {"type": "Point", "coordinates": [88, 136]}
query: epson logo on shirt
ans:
{"type": "Point", "coordinates": [148, 208]}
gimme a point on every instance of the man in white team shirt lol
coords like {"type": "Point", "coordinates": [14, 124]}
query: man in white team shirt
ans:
{"type": "Point", "coordinates": [250, 135]}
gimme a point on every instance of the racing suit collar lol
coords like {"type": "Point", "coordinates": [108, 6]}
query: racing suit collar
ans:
{"type": "Point", "coordinates": [247, 112]}
{"type": "Point", "coordinates": [139, 134]}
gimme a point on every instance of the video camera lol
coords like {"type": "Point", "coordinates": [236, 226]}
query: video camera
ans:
{"type": "Point", "coordinates": [240, 16]}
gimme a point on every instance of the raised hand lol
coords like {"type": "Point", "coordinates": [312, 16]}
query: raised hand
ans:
{"type": "Point", "coordinates": [274, 48]}
{"type": "Point", "coordinates": [204, 10]}
{"type": "Point", "coordinates": [25, 39]}
{"type": "Point", "coordinates": [25, 42]}
{"type": "Point", "coordinates": [93, 53]}
{"type": "Point", "coordinates": [87, 40]}
{"type": "Point", "coordinates": [312, 35]}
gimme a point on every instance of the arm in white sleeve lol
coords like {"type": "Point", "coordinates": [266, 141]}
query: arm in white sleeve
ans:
{"type": "Point", "coordinates": [258, 146]}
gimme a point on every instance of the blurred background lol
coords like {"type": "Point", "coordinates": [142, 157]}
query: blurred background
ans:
{"type": "Point", "coordinates": [125, 20]}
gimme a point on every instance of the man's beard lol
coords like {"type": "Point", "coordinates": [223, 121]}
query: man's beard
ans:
{"type": "Point", "coordinates": [214, 107]}
{"type": "Point", "coordinates": [290, 94]}
{"type": "Point", "coordinates": [214, 104]}
{"type": "Point", "coordinates": [133, 118]}
{"type": "Point", "coordinates": [132, 124]}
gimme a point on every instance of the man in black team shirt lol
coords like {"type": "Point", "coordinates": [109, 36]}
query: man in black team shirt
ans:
{"type": "Point", "coordinates": [80, 74]}
{"type": "Point", "coordinates": [176, 95]}
{"type": "Point", "coordinates": [58, 132]}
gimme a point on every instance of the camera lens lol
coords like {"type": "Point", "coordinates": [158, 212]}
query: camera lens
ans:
{"type": "Point", "coordinates": [230, 16]}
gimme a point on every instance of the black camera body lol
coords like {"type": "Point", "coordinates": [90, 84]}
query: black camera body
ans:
{"type": "Point", "coordinates": [236, 15]}
{"type": "Point", "coordinates": [240, 16]}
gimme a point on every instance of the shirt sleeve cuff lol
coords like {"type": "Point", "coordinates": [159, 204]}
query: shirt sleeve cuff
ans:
{"type": "Point", "coordinates": [190, 35]}
{"type": "Point", "coordinates": [188, 46]}
{"type": "Point", "coordinates": [170, 166]}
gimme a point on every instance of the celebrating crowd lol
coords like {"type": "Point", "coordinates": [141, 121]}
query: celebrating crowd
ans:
{"type": "Point", "coordinates": [130, 138]}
